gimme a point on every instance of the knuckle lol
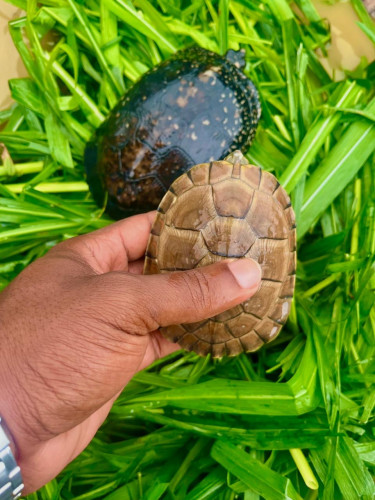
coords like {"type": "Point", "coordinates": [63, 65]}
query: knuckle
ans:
{"type": "Point", "coordinates": [198, 286]}
{"type": "Point", "coordinates": [128, 309]}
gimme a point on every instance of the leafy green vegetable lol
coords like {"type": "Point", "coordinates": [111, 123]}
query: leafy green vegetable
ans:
{"type": "Point", "coordinates": [300, 412]}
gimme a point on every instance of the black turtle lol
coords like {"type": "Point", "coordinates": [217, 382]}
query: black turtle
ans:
{"type": "Point", "coordinates": [193, 108]}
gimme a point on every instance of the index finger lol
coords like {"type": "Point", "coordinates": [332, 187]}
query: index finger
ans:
{"type": "Point", "coordinates": [113, 247]}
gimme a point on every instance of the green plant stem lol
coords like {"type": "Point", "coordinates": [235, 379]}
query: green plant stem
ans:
{"type": "Point", "coordinates": [304, 468]}
{"type": "Point", "coordinates": [319, 286]}
{"type": "Point", "coordinates": [194, 452]}
{"type": "Point", "coordinates": [51, 187]}
{"type": "Point", "coordinates": [22, 168]}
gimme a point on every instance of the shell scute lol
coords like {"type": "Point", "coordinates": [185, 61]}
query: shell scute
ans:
{"type": "Point", "coordinates": [194, 209]}
{"type": "Point", "coordinates": [293, 240]}
{"type": "Point", "coordinates": [265, 217]}
{"type": "Point", "coordinates": [153, 244]}
{"type": "Point", "coordinates": [180, 249]}
{"type": "Point", "coordinates": [192, 327]}
{"type": "Point", "coordinates": [270, 255]}
{"type": "Point", "coordinates": [288, 287]}
{"type": "Point", "coordinates": [219, 350]}
{"type": "Point", "coordinates": [158, 224]}
{"type": "Point", "coordinates": [267, 293]}
{"type": "Point", "coordinates": [151, 264]}
{"type": "Point", "coordinates": [219, 171]}
{"type": "Point", "coordinates": [202, 347]}
{"type": "Point", "coordinates": [281, 311]}
{"type": "Point", "coordinates": [251, 341]}
{"type": "Point", "coordinates": [234, 347]}
{"type": "Point", "coordinates": [242, 324]}
{"type": "Point", "coordinates": [228, 237]}
{"type": "Point", "coordinates": [292, 263]}
{"type": "Point", "coordinates": [232, 199]}
{"type": "Point", "coordinates": [200, 174]}
{"type": "Point", "coordinates": [267, 329]}
{"type": "Point", "coordinates": [282, 197]}
{"type": "Point", "coordinates": [251, 175]}
{"type": "Point", "coordinates": [227, 315]}
{"type": "Point", "coordinates": [268, 183]}
{"type": "Point", "coordinates": [166, 202]}
{"type": "Point", "coordinates": [182, 184]}
{"type": "Point", "coordinates": [176, 333]}
{"type": "Point", "coordinates": [187, 341]}
{"type": "Point", "coordinates": [290, 217]}
{"type": "Point", "coordinates": [213, 332]}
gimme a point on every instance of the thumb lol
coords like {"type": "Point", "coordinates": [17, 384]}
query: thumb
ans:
{"type": "Point", "coordinates": [197, 294]}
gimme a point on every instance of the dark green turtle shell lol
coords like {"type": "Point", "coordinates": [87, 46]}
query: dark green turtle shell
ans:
{"type": "Point", "coordinates": [193, 108]}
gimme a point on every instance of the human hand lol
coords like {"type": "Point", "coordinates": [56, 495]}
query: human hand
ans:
{"type": "Point", "coordinates": [78, 323]}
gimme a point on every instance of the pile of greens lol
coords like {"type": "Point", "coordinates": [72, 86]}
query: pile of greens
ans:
{"type": "Point", "coordinates": [296, 419]}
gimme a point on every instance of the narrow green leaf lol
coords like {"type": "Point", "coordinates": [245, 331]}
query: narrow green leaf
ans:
{"type": "Point", "coordinates": [369, 31]}
{"type": "Point", "coordinates": [209, 486]}
{"type": "Point", "coordinates": [254, 474]}
{"type": "Point", "coordinates": [58, 142]}
{"type": "Point", "coordinates": [290, 38]}
{"type": "Point", "coordinates": [26, 93]}
{"type": "Point", "coordinates": [129, 15]}
{"type": "Point", "coordinates": [316, 135]}
{"type": "Point", "coordinates": [222, 28]}
{"type": "Point", "coordinates": [337, 170]}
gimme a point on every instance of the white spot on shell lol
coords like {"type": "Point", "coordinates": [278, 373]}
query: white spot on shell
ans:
{"type": "Point", "coordinates": [194, 136]}
{"type": "Point", "coordinates": [206, 122]}
{"type": "Point", "coordinates": [182, 101]}
{"type": "Point", "coordinates": [285, 310]}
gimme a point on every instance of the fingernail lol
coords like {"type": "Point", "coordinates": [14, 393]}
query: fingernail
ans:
{"type": "Point", "coordinates": [247, 272]}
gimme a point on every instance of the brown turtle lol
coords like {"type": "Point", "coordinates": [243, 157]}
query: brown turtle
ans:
{"type": "Point", "coordinates": [228, 209]}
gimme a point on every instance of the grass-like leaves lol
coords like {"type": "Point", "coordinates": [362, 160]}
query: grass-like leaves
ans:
{"type": "Point", "coordinates": [295, 420]}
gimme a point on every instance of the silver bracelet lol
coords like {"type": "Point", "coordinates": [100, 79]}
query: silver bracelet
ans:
{"type": "Point", "coordinates": [11, 484]}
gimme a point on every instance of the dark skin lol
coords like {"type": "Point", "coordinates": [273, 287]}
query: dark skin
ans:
{"type": "Point", "coordinates": [78, 323]}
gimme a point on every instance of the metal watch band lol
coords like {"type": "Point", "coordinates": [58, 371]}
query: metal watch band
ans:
{"type": "Point", "coordinates": [11, 484]}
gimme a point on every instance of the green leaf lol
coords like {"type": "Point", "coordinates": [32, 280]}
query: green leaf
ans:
{"type": "Point", "coordinates": [257, 476]}
{"type": "Point", "coordinates": [337, 170]}
{"type": "Point", "coordinates": [368, 30]}
{"type": "Point", "coordinates": [222, 28]}
{"type": "Point", "coordinates": [129, 15]}
{"type": "Point", "coordinates": [58, 142]}
{"type": "Point", "coordinates": [27, 93]}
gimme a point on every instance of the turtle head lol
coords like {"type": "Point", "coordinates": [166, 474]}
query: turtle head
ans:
{"type": "Point", "coordinates": [236, 57]}
{"type": "Point", "coordinates": [236, 158]}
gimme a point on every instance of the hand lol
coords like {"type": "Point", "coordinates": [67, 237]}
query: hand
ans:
{"type": "Point", "coordinates": [78, 323]}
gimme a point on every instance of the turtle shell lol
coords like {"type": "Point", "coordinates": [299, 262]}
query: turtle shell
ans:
{"type": "Point", "coordinates": [228, 209]}
{"type": "Point", "coordinates": [196, 107]}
